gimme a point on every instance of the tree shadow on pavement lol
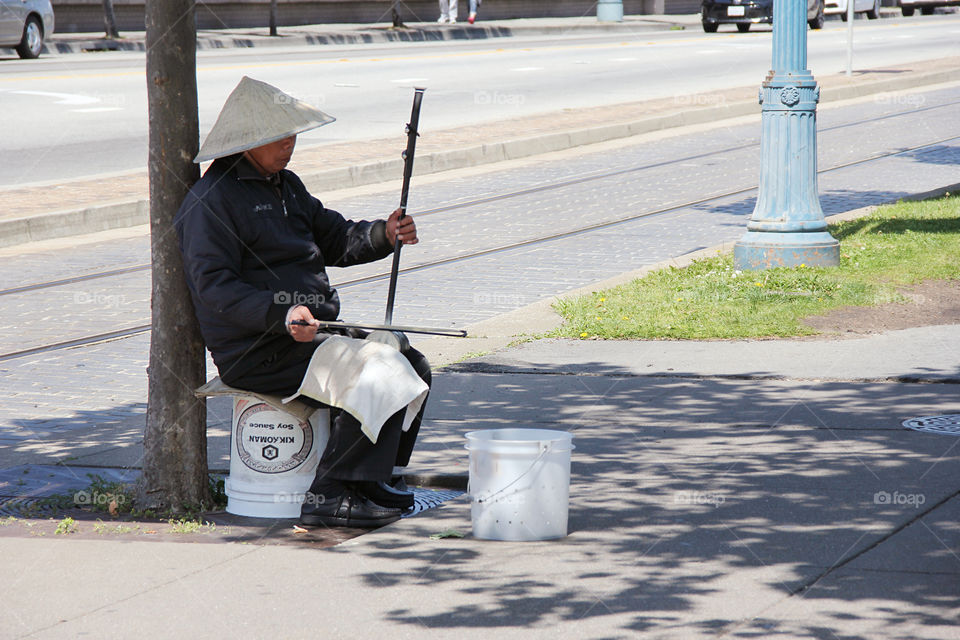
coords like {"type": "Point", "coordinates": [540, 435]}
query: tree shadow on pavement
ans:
{"type": "Point", "coordinates": [697, 504]}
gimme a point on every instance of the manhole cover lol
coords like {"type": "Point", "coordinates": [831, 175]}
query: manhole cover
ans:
{"type": "Point", "coordinates": [946, 425]}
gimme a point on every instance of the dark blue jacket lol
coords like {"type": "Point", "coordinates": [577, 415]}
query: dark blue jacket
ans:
{"type": "Point", "coordinates": [252, 249]}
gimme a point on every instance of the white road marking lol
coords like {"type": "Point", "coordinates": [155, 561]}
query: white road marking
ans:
{"type": "Point", "coordinates": [623, 59]}
{"type": "Point", "coordinates": [405, 80]}
{"type": "Point", "coordinates": [527, 69]}
{"type": "Point", "coordinates": [62, 98]}
{"type": "Point", "coordinates": [96, 110]}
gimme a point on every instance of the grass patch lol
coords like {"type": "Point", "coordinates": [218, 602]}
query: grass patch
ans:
{"type": "Point", "coordinates": [897, 245]}
{"type": "Point", "coordinates": [66, 527]}
{"type": "Point", "coordinates": [191, 526]}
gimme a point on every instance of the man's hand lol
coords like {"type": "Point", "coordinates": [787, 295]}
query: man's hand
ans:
{"type": "Point", "coordinates": [301, 332]}
{"type": "Point", "coordinates": [405, 230]}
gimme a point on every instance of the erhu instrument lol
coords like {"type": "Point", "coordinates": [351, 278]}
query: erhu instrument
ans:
{"type": "Point", "coordinates": [388, 332]}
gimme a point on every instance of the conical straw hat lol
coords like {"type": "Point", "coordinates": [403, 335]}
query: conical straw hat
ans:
{"type": "Point", "coordinates": [256, 114]}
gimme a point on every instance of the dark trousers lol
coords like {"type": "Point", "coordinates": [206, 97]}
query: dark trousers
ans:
{"type": "Point", "coordinates": [349, 454]}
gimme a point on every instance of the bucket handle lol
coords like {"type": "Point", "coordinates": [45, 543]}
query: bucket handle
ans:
{"type": "Point", "coordinates": [544, 449]}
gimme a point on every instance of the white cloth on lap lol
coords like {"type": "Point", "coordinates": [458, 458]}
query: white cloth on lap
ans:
{"type": "Point", "coordinates": [369, 380]}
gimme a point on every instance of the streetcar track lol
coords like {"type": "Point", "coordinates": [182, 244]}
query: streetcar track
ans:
{"type": "Point", "coordinates": [131, 331]}
{"type": "Point", "coordinates": [516, 194]}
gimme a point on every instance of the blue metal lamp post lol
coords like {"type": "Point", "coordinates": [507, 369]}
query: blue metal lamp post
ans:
{"type": "Point", "coordinates": [787, 227]}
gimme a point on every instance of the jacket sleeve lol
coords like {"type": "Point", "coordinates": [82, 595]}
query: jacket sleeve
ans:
{"type": "Point", "coordinates": [344, 242]}
{"type": "Point", "coordinates": [212, 253]}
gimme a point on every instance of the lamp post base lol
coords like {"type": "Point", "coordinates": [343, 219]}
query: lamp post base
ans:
{"type": "Point", "coordinates": [610, 11]}
{"type": "Point", "coordinates": [763, 250]}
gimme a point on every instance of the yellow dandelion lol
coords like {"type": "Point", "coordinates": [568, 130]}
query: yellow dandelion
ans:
{"type": "Point", "coordinates": [759, 284]}
{"type": "Point", "coordinates": [584, 334]}
{"type": "Point", "coordinates": [803, 265]}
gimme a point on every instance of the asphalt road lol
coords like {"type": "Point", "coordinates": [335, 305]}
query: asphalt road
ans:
{"type": "Point", "coordinates": [82, 115]}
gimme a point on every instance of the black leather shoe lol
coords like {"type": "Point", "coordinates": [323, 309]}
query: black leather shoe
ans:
{"type": "Point", "coordinates": [399, 483]}
{"type": "Point", "coordinates": [348, 510]}
{"type": "Point", "coordinates": [385, 495]}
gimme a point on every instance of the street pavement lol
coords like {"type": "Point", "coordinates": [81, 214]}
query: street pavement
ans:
{"type": "Point", "coordinates": [84, 205]}
{"type": "Point", "coordinates": [761, 488]}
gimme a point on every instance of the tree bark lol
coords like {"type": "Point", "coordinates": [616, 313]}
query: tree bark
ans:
{"type": "Point", "coordinates": [110, 20]}
{"type": "Point", "coordinates": [175, 475]}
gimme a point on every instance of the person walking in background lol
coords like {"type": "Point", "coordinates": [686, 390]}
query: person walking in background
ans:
{"type": "Point", "coordinates": [473, 11]}
{"type": "Point", "coordinates": [448, 12]}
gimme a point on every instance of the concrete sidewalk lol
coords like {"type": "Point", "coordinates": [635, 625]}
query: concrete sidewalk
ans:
{"type": "Point", "coordinates": [719, 489]}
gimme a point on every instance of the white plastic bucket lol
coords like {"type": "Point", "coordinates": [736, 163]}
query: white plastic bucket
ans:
{"type": "Point", "coordinates": [273, 458]}
{"type": "Point", "coordinates": [519, 483]}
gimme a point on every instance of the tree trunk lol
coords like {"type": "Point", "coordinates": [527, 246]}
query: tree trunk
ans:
{"type": "Point", "coordinates": [273, 17]}
{"type": "Point", "coordinates": [175, 473]}
{"type": "Point", "coordinates": [110, 20]}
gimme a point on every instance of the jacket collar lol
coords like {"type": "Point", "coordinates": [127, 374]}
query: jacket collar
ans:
{"type": "Point", "coordinates": [244, 170]}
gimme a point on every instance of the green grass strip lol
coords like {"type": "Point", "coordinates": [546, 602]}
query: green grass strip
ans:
{"type": "Point", "coordinates": [897, 245]}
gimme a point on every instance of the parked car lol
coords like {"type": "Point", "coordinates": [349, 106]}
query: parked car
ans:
{"type": "Point", "coordinates": [24, 24]}
{"type": "Point", "coordinates": [744, 13]}
{"type": "Point", "coordinates": [907, 7]}
{"type": "Point", "coordinates": [869, 7]}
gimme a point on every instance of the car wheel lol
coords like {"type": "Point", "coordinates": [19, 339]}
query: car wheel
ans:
{"type": "Point", "coordinates": [874, 12]}
{"type": "Point", "coordinates": [743, 27]}
{"type": "Point", "coordinates": [927, 11]}
{"type": "Point", "coordinates": [32, 42]}
{"type": "Point", "coordinates": [817, 22]}
{"type": "Point", "coordinates": [710, 27]}
{"type": "Point", "coordinates": [907, 11]}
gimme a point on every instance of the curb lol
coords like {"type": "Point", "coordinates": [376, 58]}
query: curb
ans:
{"type": "Point", "coordinates": [369, 35]}
{"type": "Point", "coordinates": [132, 213]}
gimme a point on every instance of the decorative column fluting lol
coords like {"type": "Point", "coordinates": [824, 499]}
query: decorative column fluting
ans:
{"type": "Point", "coordinates": [787, 227]}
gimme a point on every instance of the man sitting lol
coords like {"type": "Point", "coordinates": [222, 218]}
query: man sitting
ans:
{"type": "Point", "coordinates": [255, 248]}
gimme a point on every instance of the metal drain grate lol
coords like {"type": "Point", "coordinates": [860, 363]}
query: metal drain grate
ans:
{"type": "Point", "coordinates": [27, 508]}
{"type": "Point", "coordinates": [945, 425]}
{"type": "Point", "coordinates": [424, 499]}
